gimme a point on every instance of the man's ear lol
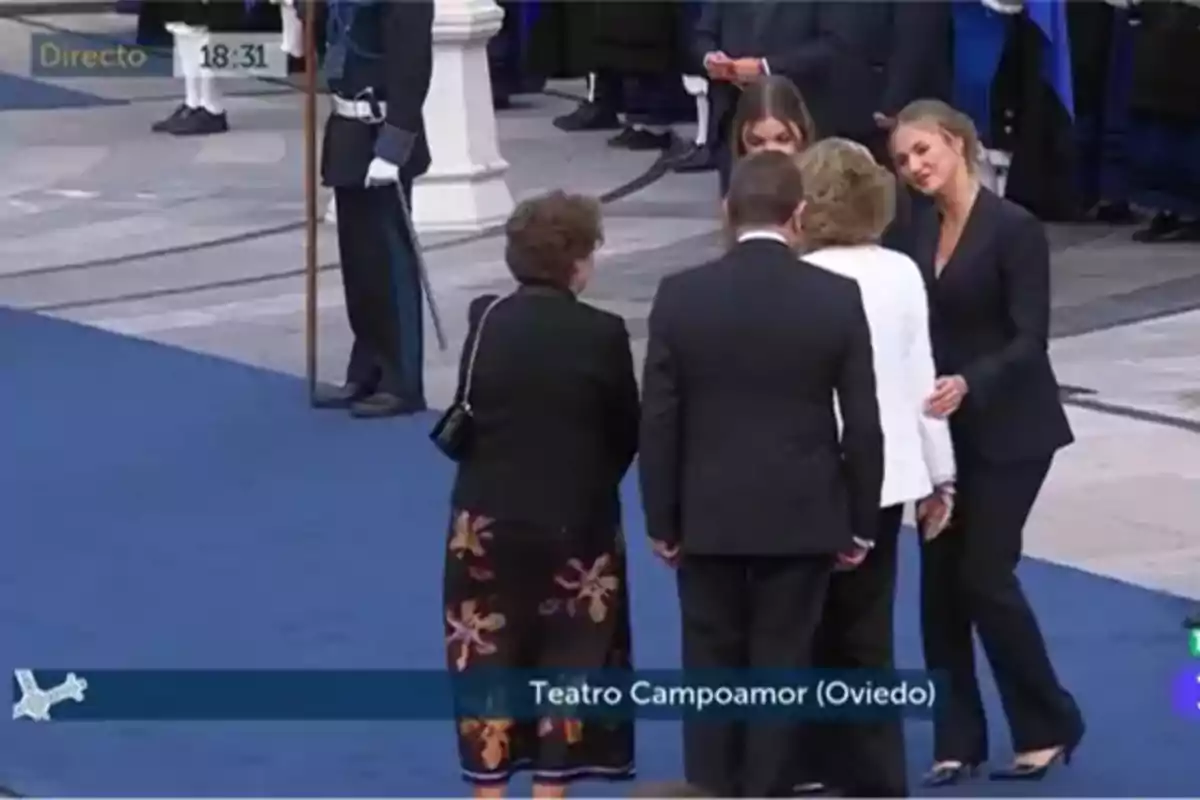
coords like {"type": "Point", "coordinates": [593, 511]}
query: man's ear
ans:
{"type": "Point", "coordinates": [799, 213]}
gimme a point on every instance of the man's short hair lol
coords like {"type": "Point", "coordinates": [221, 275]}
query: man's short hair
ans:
{"type": "Point", "coordinates": [765, 191]}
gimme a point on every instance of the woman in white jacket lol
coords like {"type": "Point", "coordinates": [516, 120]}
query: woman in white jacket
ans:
{"type": "Point", "coordinates": [850, 201]}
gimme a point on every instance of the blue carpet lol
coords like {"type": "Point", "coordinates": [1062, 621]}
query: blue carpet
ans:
{"type": "Point", "coordinates": [166, 509]}
{"type": "Point", "coordinates": [18, 93]}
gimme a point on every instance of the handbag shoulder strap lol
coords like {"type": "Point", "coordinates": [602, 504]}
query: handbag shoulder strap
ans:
{"type": "Point", "coordinates": [470, 375]}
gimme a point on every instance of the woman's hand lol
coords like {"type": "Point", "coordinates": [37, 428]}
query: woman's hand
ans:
{"type": "Point", "coordinates": [934, 512]}
{"type": "Point", "coordinates": [948, 394]}
{"type": "Point", "coordinates": [667, 553]}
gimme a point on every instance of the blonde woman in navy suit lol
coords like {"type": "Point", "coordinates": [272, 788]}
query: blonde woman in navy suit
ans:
{"type": "Point", "coordinates": [849, 203]}
{"type": "Point", "coordinates": [989, 279]}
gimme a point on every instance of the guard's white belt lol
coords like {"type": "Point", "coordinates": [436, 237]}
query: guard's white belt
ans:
{"type": "Point", "coordinates": [358, 109]}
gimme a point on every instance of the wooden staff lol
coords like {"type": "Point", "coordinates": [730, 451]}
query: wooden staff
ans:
{"type": "Point", "coordinates": [310, 192]}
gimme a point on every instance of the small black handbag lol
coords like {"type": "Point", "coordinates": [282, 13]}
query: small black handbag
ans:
{"type": "Point", "coordinates": [454, 432]}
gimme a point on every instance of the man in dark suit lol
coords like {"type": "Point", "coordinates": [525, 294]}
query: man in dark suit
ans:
{"type": "Point", "coordinates": [746, 486]}
{"type": "Point", "coordinates": [851, 61]}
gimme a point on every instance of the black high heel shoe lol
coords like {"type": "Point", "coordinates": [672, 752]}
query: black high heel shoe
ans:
{"type": "Point", "coordinates": [950, 773]}
{"type": "Point", "coordinates": [1034, 772]}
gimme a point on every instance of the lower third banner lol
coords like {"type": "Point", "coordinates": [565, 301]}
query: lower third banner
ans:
{"type": "Point", "coordinates": [315, 695]}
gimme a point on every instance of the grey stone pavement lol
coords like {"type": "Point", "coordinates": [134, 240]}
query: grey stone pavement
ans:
{"type": "Point", "coordinates": [196, 243]}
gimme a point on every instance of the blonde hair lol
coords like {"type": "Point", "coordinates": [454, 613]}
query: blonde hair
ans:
{"type": "Point", "coordinates": [849, 198]}
{"type": "Point", "coordinates": [949, 121]}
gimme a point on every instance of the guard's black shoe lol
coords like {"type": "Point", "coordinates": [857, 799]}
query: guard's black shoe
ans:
{"type": "Point", "coordinates": [341, 397]}
{"type": "Point", "coordinates": [1192, 622]}
{"type": "Point", "coordinates": [588, 117]}
{"type": "Point", "coordinates": [384, 404]}
{"type": "Point", "coordinates": [172, 120]}
{"type": "Point", "coordinates": [201, 122]}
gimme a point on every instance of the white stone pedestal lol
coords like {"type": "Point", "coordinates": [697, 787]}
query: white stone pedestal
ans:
{"type": "Point", "coordinates": [464, 190]}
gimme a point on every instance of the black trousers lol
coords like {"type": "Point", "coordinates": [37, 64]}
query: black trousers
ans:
{"type": "Point", "coordinates": [738, 613]}
{"type": "Point", "coordinates": [969, 582]}
{"type": "Point", "coordinates": [383, 291]}
{"type": "Point", "coordinates": [857, 631]}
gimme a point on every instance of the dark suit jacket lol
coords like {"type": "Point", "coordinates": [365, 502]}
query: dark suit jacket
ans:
{"type": "Point", "coordinates": [556, 411]}
{"type": "Point", "coordinates": [740, 453]}
{"type": "Point", "coordinates": [990, 314]}
{"type": "Point", "coordinates": [402, 32]}
{"type": "Point", "coordinates": [849, 60]}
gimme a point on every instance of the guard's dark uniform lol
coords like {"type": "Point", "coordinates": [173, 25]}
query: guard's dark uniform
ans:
{"type": "Point", "coordinates": [379, 62]}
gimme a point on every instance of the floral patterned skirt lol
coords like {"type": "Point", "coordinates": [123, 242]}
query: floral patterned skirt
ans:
{"type": "Point", "coordinates": [526, 597]}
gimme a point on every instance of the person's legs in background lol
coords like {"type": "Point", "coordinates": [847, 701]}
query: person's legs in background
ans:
{"type": "Point", "coordinates": [1114, 206]}
{"type": "Point", "coordinates": [201, 111]}
{"type": "Point", "coordinates": [1165, 166]}
{"type": "Point", "coordinates": [1100, 69]}
{"type": "Point", "coordinates": [700, 156]}
{"type": "Point", "coordinates": [649, 113]}
{"type": "Point", "coordinates": [1164, 141]}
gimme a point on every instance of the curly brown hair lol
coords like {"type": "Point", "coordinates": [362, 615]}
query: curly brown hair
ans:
{"type": "Point", "coordinates": [550, 234]}
{"type": "Point", "coordinates": [849, 199]}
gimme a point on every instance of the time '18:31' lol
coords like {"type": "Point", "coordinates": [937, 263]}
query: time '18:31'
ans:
{"type": "Point", "coordinates": [246, 57]}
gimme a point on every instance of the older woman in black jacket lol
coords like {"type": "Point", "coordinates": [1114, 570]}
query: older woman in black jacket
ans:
{"type": "Point", "coordinates": [535, 565]}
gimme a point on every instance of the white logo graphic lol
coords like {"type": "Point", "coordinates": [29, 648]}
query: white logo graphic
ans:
{"type": "Point", "coordinates": [35, 702]}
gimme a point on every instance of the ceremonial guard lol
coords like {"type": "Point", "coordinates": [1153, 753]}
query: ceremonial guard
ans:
{"type": "Point", "coordinates": [1033, 108]}
{"type": "Point", "coordinates": [378, 63]}
{"type": "Point", "coordinates": [192, 25]}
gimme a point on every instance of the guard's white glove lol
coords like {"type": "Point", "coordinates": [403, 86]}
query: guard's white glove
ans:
{"type": "Point", "coordinates": [293, 29]}
{"type": "Point", "coordinates": [382, 173]}
{"type": "Point", "coordinates": [695, 85]}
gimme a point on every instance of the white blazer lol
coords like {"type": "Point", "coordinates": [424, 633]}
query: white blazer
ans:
{"type": "Point", "coordinates": [917, 450]}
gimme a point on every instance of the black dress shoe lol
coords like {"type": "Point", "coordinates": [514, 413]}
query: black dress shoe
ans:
{"type": "Point", "coordinates": [641, 139]}
{"type": "Point", "coordinates": [340, 397]}
{"type": "Point", "coordinates": [1193, 622]}
{"type": "Point", "coordinates": [588, 117]}
{"type": "Point", "coordinates": [201, 122]}
{"type": "Point", "coordinates": [172, 120]}
{"type": "Point", "coordinates": [1163, 227]}
{"type": "Point", "coordinates": [384, 404]}
{"type": "Point", "coordinates": [950, 773]}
